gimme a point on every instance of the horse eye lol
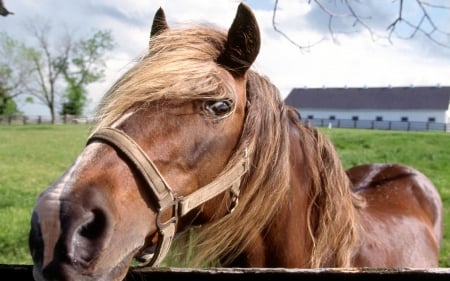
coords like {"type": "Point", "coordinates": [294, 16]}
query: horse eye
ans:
{"type": "Point", "coordinates": [218, 108]}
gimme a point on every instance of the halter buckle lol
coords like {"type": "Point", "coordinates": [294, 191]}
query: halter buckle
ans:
{"type": "Point", "coordinates": [173, 218]}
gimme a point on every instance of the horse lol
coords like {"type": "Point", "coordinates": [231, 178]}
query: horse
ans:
{"type": "Point", "coordinates": [193, 148]}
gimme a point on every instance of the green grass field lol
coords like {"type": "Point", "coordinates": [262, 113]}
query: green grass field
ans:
{"type": "Point", "coordinates": [33, 156]}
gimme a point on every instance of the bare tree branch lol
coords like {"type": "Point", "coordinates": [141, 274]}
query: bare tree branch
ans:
{"type": "Point", "coordinates": [274, 24]}
{"type": "Point", "coordinates": [3, 11]}
{"type": "Point", "coordinates": [433, 33]}
{"type": "Point", "coordinates": [426, 18]}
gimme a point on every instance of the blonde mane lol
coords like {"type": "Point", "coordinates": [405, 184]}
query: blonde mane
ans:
{"type": "Point", "coordinates": [187, 57]}
{"type": "Point", "coordinates": [179, 65]}
{"type": "Point", "coordinates": [332, 210]}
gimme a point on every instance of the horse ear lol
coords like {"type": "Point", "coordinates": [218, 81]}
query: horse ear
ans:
{"type": "Point", "coordinates": [243, 42]}
{"type": "Point", "coordinates": [159, 23]}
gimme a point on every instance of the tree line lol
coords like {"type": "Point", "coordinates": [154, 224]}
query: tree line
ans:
{"type": "Point", "coordinates": [53, 70]}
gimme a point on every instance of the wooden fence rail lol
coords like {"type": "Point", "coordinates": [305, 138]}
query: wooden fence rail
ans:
{"type": "Point", "coordinates": [24, 273]}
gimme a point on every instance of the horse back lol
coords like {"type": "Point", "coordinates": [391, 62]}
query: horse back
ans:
{"type": "Point", "coordinates": [401, 223]}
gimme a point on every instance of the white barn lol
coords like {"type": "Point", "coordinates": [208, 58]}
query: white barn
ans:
{"type": "Point", "coordinates": [405, 104]}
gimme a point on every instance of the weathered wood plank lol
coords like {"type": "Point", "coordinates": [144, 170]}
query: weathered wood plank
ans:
{"type": "Point", "coordinates": [24, 273]}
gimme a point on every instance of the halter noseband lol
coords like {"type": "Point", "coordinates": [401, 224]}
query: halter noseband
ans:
{"type": "Point", "coordinates": [165, 198]}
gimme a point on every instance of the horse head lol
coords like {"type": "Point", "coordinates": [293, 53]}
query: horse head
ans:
{"type": "Point", "coordinates": [165, 154]}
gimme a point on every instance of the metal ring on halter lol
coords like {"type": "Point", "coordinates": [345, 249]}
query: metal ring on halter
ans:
{"type": "Point", "coordinates": [234, 203]}
{"type": "Point", "coordinates": [174, 217]}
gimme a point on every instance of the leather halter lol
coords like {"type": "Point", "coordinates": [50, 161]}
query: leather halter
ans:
{"type": "Point", "coordinates": [162, 192]}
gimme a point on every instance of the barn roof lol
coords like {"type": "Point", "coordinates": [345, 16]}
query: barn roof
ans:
{"type": "Point", "coordinates": [436, 98]}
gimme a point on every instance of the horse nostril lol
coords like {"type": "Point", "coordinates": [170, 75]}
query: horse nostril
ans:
{"type": "Point", "coordinates": [89, 238]}
{"type": "Point", "coordinates": [94, 227]}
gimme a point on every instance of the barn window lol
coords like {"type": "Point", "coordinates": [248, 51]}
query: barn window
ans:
{"type": "Point", "coordinates": [332, 117]}
{"type": "Point", "coordinates": [310, 116]}
{"type": "Point", "coordinates": [379, 118]}
{"type": "Point", "coordinates": [404, 119]}
{"type": "Point", "coordinates": [431, 119]}
{"type": "Point", "coordinates": [355, 118]}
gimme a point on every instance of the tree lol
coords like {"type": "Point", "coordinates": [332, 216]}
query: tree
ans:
{"type": "Point", "coordinates": [75, 98]}
{"type": "Point", "coordinates": [16, 69]}
{"type": "Point", "coordinates": [7, 104]}
{"type": "Point", "coordinates": [354, 15]}
{"type": "Point", "coordinates": [87, 66]}
{"type": "Point", "coordinates": [49, 63]}
{"type": "Point", "coordinates": [68, 61]}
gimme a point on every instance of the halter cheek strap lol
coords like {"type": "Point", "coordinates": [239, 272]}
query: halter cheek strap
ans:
{"type": "Point", "coordinates": [163, 194]}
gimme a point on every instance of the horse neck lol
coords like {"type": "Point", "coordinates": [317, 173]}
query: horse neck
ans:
{"type": "Point", "coordinates": [286, 241]}
{"type": "Point", "coordinates": [318, 204]}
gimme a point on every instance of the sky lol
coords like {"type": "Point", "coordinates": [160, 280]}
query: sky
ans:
{"type": "Point", "coordinates": [354, 57]}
